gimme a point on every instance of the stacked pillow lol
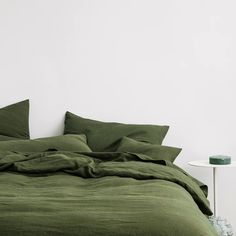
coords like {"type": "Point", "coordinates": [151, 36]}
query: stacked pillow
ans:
{"type": "Point", "coordinates": [14, 133]}
{"type": "Point", "coordinates": [155, 151]}
{"type": "Point", "coordinates": [69, 142]}
{"type": "Point", "coordinates": [84, 135]}
{"type": "Point", "coordinates": [106, 136]}
{"type": "Point", "coordinates": [110, 137]}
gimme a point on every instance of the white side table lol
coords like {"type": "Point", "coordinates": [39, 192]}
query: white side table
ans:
{"type": "Point", "coordinates": [205, 163]}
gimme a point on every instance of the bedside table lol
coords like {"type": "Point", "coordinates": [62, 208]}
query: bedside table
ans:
{"type": "Point", "coordinates": [206, 164]}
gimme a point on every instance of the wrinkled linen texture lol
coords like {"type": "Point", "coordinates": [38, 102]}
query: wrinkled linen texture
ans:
{"type": "Point", "coordinates": [102, 194]}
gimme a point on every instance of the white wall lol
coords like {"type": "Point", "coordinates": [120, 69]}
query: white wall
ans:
{"type": "Point", "coordinates": [144, 61]}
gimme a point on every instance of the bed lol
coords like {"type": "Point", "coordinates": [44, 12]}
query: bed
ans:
{"type": "Point", "coordinates": [81, 184]}
{"type": "Point", "coordinates": [64, 193]}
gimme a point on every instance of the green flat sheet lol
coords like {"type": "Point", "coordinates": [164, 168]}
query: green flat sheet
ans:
{"type": "Point", "coordinates": [88, 194]}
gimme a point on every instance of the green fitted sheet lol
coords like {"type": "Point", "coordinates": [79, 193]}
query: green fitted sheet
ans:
{"type": "Point", "coordinates": [87, 194]}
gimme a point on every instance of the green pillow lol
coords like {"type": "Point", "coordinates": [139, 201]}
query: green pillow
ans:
{"type": "Point", "coordinates": [14, 121]}
{"type": "Point", "coordinates": [5, 138]}
{"type": "Point", "coordinates": [104, 136]}
{"type": "Point", "coordinates": [73, 143]}
{"type": "Point", "coordinates": [154, 151]}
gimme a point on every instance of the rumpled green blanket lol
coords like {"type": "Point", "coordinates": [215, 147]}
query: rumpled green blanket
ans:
{"type": "Point", "coordinates": [87, 194]}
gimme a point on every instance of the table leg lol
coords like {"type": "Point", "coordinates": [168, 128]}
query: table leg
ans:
{"type": "Point", "coordinates": [214, 190]}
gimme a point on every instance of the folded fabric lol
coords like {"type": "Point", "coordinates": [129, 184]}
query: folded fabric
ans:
{"type": "Point", "coordinates": [14, 121]}
{"type": "Point", "coordinates": [155, 151]}
{"type": "Point", "coordinates": [73, 143]}
{"type": "Point", "coordinates": [105, 136]}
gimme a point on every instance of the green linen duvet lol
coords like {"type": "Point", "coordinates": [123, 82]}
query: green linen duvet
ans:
{"type": "Point", "coordinates": [98, 194]}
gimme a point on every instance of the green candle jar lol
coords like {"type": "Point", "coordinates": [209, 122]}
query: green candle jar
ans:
{"type": "Point", "coordinates": [220, 160]}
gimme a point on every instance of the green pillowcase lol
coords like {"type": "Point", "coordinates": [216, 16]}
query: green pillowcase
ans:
{"type": "Point", "coordinates": [14, 121]}
{"type": "Point", "coordinates": [104, 136]}
{"type": "Point", "coordinates": [73, 143]}
{"type": "Point", "coordinates": [5, 138]}
{"type": "Point", "coordinates": [154, 151]}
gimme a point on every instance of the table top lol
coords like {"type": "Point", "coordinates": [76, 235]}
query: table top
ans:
{"type": "Point", "coordinates": [205, 163]}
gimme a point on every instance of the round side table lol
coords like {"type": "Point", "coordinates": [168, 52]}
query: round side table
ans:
{"type": "Point", "coordinates": [206, 164]}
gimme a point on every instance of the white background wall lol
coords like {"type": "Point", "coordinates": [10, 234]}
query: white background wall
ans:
{"type": "Point", "coordinates": [145, 61]}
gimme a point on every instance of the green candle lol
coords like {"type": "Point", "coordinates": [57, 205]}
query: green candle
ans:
{"type": "Point", "coordinates": [220, 160]}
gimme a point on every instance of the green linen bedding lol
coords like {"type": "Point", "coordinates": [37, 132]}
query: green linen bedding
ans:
{"type": "Point", "coordinates": [105, 136]}
{"type": "Point", "coordinates": [157, 152]}
{"type": "Point", "coordinates": [6, 138]}
{"type": "Point", "coordinates": [14, 121]}
{"type": "Point", "coordinates": [98, 194]}
{"type": "Point", "coordinates": [69, 142]}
